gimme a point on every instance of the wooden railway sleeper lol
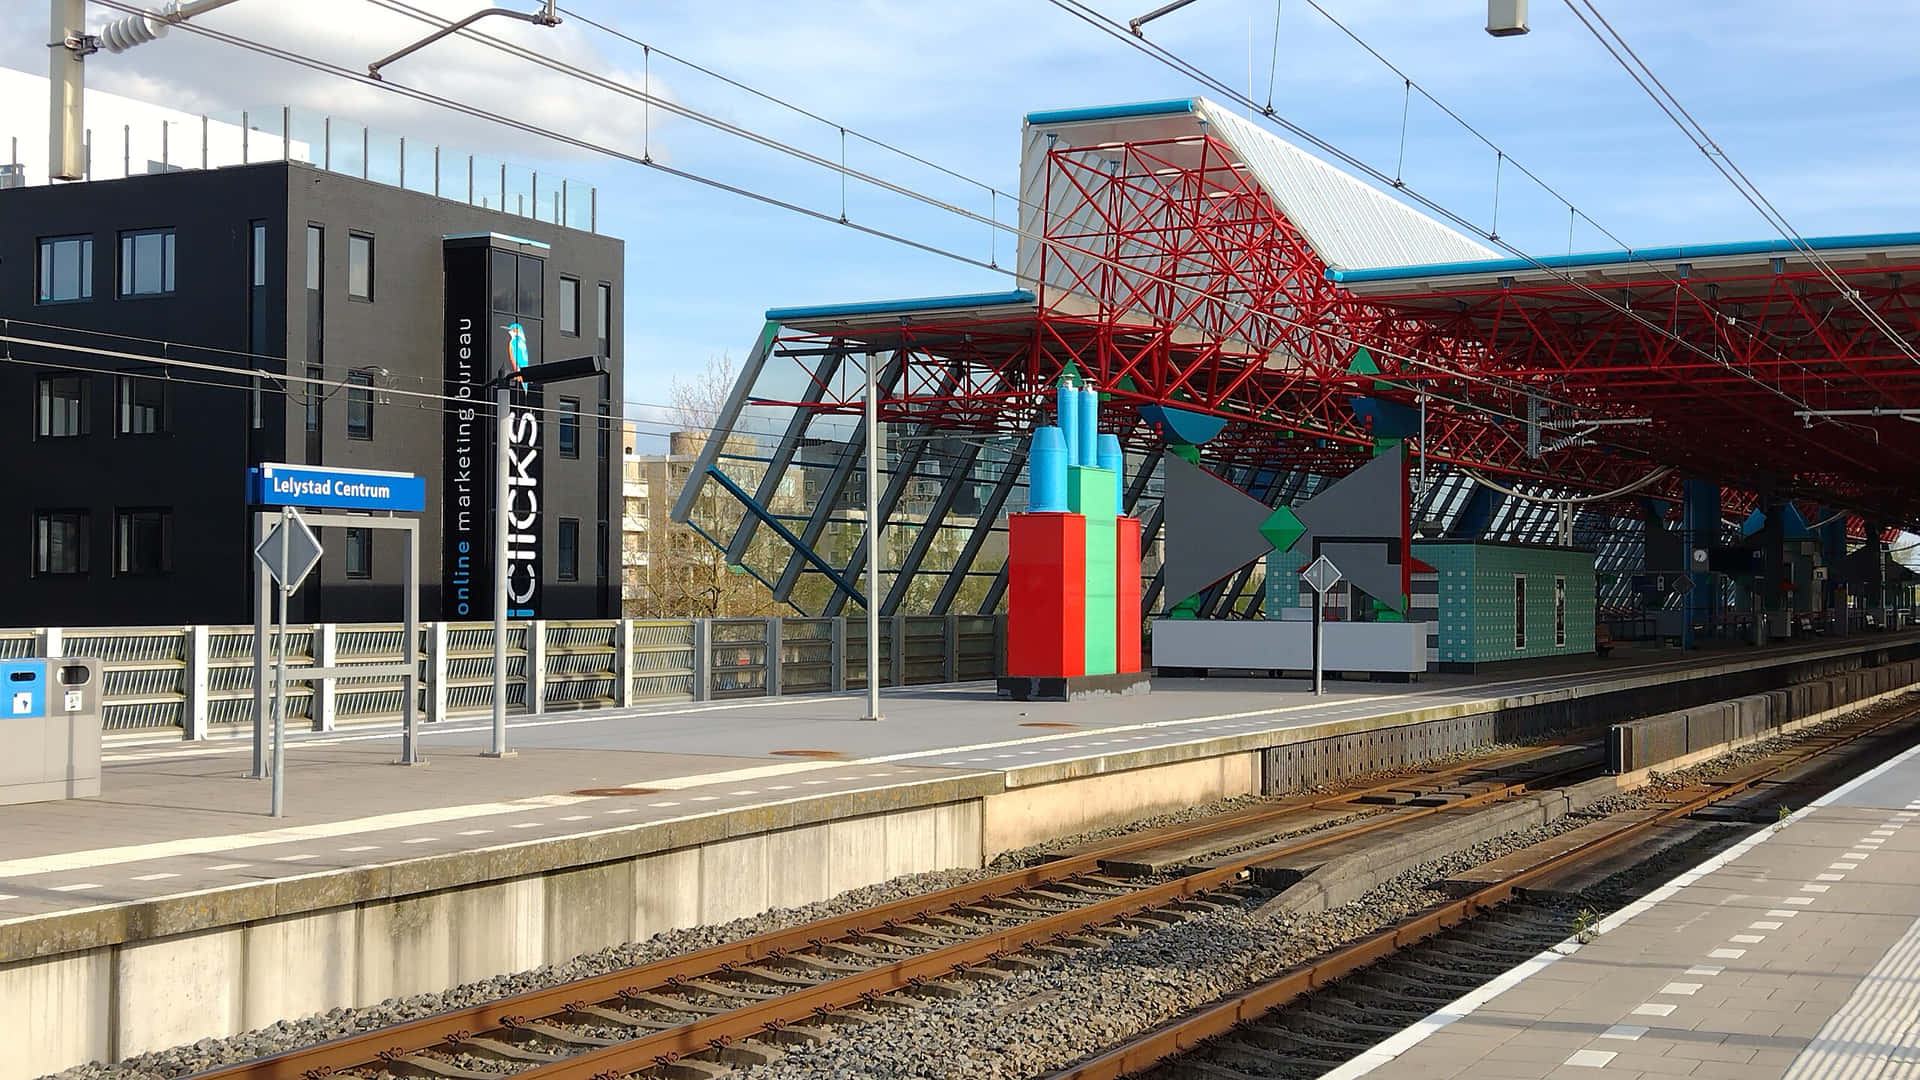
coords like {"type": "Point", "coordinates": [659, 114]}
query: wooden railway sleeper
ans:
{"type": "Point", "coordinates": [669, 1004]}
{"type": "Point", "coordinates": [915, 945]}
{"type": "Point", "coordinates": [1231, 1052]}
{"type": "Point", "coordinates": [1281, 1040]}
{"type": "Point", "coordinates": [686, 1069]}
{"type": "Point", "coordinates": [858, 950]}
{"type": "Point", "coordinates": [501, 1048]}
{"type": "Point", "coordinates": [601, 1014]}
{"type": "Point", "coordinates": [768, 975]}
{"type": "Point", "coordinates": [558, 1034]}
{"type": "Point", "coordinates": [821, 964]}
{"type": "Point", "coordinates": [429, 1068]}
{"type": "Point", "coordinates": [1309, 1016]}
{"type": "Point", "coordinates": [735, 991]}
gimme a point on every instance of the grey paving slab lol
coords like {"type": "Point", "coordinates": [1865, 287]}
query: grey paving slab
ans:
{"type": "Point", "coordinates": [175, 818]}
{"type": "Point", "coordinates": [1740, 972]}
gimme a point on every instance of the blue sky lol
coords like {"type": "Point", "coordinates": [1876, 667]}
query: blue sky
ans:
{"type": "Point", "coordinates": [1813, 105]}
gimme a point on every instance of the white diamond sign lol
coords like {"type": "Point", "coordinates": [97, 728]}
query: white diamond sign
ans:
{"type": "Point", "coordinates": [303, 552]}
{"type": "Point", "coordinates": [1321, 574]}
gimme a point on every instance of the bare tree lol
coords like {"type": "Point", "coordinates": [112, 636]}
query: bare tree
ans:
{"type": "Point", "coordinates": [698, 401]}
{"type": "Point", "coordinates": [686, 574]}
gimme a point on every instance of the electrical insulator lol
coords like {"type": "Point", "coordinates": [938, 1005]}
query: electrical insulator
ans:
{"type": "Point", "coordinates": [123, 34]}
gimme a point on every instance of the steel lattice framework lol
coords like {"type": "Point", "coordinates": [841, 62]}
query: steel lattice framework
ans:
{"type": "Point", "coordinates": [1168, 276]}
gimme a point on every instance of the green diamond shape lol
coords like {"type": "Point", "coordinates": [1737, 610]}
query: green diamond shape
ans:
{"type": "Point", "coordinates": [1282, 529]}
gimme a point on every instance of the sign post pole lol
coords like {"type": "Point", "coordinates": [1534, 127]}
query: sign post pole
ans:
{"type": "Point", "coordinates": [280, 677]}
{"type": "Point", "coordinates": [1320, 576]}
{"type": "Point", "coordinates": [502, 397]}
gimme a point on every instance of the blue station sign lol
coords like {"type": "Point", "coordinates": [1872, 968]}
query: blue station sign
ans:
{"type": "Point", "coordinates": [319, 486]}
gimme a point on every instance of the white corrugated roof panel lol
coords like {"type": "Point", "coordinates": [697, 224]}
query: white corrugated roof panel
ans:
{"type": "Point", "coordinates": [1350, 224]}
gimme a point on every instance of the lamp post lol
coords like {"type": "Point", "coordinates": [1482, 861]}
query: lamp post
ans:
{"type": "Point", "coordinates": [523, 375]}
{"type": "Point", "coordinates": [873, 546]}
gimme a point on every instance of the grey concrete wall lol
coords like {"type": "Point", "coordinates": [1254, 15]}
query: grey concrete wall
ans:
{"type": "Point", "coordinates": [113, 1001]}
{"type": "Point", "coordinates": [1673, 738]}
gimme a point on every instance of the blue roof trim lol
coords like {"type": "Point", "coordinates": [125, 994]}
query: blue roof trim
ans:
{"type": "Point", "coordinates": [1170, 106]}
{"type": "Point", "coordinates": [881, 307]}
{"type": "Point", "coordinates": [1610, 258]}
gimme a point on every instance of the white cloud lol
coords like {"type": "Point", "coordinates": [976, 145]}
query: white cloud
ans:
{"type": "Point", "coordinates": [186, 71]}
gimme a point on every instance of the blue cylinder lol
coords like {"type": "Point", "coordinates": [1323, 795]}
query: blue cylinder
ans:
{"type": "Point", "coordinates": [1111, 458]}
{"type": "Point", "coordinates": [1047, 472]}
{"type": "Point", "coordinates": [1088, 431]}
{"type": "Point", "coordinates": [1067, 415]}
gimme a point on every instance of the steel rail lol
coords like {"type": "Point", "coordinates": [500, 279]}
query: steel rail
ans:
{"type": "Point", "coordinates": [1185, 1034]}
{"type": "Point", "coordinates": [435, 1031]}
{"type": "Point", "coordinates": [849, 991]}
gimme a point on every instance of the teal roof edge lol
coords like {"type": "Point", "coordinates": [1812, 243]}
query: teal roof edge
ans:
{"type": "Point", "coordinates": [1170, 106]}
{"type": "Point", "coordinates": [925, 303]}
{"type": "Point", "coordinates": [1610, 258]}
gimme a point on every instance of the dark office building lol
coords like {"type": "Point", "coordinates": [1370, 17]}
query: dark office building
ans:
{"type": "Point", "coordinates": [127, 440]}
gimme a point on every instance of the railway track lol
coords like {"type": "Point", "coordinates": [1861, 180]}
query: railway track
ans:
{"type": "Point", "coordinates": [1315, 1017]}
{"type": "Point", "coordinates": [705, 1013]}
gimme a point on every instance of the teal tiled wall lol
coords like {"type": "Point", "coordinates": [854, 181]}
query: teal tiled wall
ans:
{"type": "Point", "coordinates": [1477, 595]}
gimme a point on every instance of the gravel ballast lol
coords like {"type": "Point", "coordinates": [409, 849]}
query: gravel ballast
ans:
{"type": "Point", "coordinates": [1033, 1021]}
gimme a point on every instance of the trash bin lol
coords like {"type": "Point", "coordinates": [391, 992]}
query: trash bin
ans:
{"type": "Point", "coordinates": [51, 713]}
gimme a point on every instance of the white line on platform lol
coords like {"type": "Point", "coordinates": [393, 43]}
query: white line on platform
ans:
{"type": "Point", "coordinates": [154, 877]}
{"type": "Point", "coordinates": [201, 845]}
{"type": "Point", "coordinates": [1469, 1003]}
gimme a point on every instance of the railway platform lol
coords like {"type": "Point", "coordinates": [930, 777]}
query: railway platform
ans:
{"type": "Point", "coordinates": [1794, 955]}
{"type": "Point", "coordinates": [172, 908]}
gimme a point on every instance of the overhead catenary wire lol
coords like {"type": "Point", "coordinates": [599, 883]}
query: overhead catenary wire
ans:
{"type": "Point", "coordinates": [1568, 500]}
{"type": "Point", "coordinates": [590, 146]}
{"type": "Point", "coordinates": [1101, 22]}
{"type": "Point", "coordinates": [1697, 134]}
{"type": "Point", "coordinates": [168, 357]}
{"type": "Point", "coordinates": [422, 400]}
{"type": "Point", "coordinates": [648, 97]}
{"type": "Point", "coordinates": [581, 143]}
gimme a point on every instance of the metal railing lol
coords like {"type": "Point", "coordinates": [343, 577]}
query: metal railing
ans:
{"type": "Point", "coordinates": [196, 679]}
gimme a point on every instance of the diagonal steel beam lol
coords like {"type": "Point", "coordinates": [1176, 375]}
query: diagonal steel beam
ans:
{"type": "Point", "coordinates": [723, 424]}
{"type": "Point", "coordinates": [851, 456]}
{"type": "Point", "coordinates": [961, 476]}
{"type": "Point", "coordinates": [783, 451]}
{"type": "Point", "coordinates": [990, 513]}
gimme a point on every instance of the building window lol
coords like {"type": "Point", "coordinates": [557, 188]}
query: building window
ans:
{"type": "Point", "coordinates": [316, 401]}
{"type": "Point", "coordinates": [62, 406]}
{"type": "Point", "coordinates": [60, 542]}
{"type": "Point", "coordinates": [146, 263]}
{"type": "Point", "coordinates": [569, 549]}
{"type": "Point", "coordinates": [600, 554]}
{"type": "Point", "coordinates": [359, 553]}
{"type": "Point", "coordinates": [605, 434]}
{"type": "Point", "coordinates": [1519, 612]}
{"type": "Point", "coordinates": [143, 405]}
{"type": "Point", "coordinates": [570, 306]}
{"type": "Point", "coordinates": [1559, 612]}
{"type": "Point", "coordinates": [316, 256]}
{"type": "Point", "coordinates": [532, 286]}
{"type": "Point", "coordinates": [569, 427]}
{"type": "Point", "coordinates": [359, 267]}
{"type": "Point", "coordinates": [143, 542]}
{"type": "Point", "coordinates": [316, 293]}
{"type": "Point", "coordinates": [359, 405]}
{"type": "Point", "coordinates": [517, 289]}
{"type": "Point", "coordinates": [604, 319]}
{"type": "Point", "coordinates": [66, 269]}
{"type": "Point", "coordinates": [257, 295]}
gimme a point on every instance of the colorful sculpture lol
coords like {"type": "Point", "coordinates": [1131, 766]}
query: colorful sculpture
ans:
{"type": "Point", "coordinates": [1073, 564]}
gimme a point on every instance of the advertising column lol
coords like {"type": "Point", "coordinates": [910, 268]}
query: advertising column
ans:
{"type": "Point", "coordinates": [488, 332]}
